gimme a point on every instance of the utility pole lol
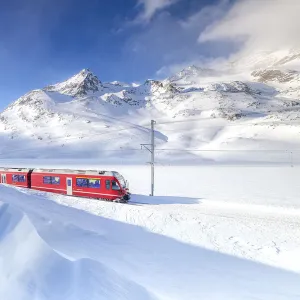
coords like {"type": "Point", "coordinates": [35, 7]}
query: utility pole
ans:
{"type": "Point", "coordinates": [151, 150]}
{"type": "Point", "coordinates": [152, 157]}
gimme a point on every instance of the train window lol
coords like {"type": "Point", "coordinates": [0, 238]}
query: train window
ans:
{"type": "Point", "coordinates": [22, 178]}
{"type": "Point", "coordinates": [82, 182]}
{"type": "Point", "coordinates": [47, 179]}
{"type": "Point", "coordinates": [18, 178]}
{"type": "Point", "coordinates": [55, 180]}
{"type": "Point", "coordinates": [107, 184]}
{"type": "Point", "coordinates": [115, 186]}
{"type": "Point", "coordinates": [15, 178]}
{"type": "Point", "coordinates": [94, 183]}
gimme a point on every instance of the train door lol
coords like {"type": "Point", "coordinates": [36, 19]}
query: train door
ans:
{"type": "Point", "coordinates": [69, 186]}
{"type": "Point", "coordinates": [3, 178]}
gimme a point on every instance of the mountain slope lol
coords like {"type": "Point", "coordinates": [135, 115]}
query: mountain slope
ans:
{"type": "Point", "coordinates": [196, 108]}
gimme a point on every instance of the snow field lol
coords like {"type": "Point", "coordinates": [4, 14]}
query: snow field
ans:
{"type": "Point", "coordinates": [211, 232]}
{"type": "Point", "coordinates": [165, 267]}
{"type": "Point", "coordinates": [248, 212]}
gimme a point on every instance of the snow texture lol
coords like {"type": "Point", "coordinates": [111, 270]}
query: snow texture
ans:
{"type": "Point", "coordinates": [234, 235]}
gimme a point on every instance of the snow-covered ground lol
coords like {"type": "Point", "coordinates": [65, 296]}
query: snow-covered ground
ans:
{"type": "Point", "coordinates": [209, 233]}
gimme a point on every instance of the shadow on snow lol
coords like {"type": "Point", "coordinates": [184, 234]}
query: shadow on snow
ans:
{"type": "Point", "coordinates": [156, 200]}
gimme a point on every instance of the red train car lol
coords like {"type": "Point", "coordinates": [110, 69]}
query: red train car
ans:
{"type": "Point", "coordinates": [15, 176]}
{"type": "Point", "coordinates": [108, 185]}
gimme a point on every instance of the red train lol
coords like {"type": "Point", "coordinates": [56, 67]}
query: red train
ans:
{"type": "Point", "coordinates": [106, 185]}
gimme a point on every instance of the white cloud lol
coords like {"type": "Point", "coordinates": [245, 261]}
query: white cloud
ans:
{"type": "Point", "coordinates": [185, 49]}
{"type": "Point", "coordinates": [206, 16]}
{"type": "Point", "coordinates": [169, 42]}
{"type": "Point", "coordinates": [199, 61]}
{"type": "Point", "coordinates": [151, 7]}
{"type": "Point", "coordinates": [172, 69]}
{"type": "Point", "coordinates": [227, 30]}
{"type": "Point", "coordinates": [259, 24]}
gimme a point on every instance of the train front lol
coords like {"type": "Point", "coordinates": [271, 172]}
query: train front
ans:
{"type": "Point", "coordinates": [123, 187]}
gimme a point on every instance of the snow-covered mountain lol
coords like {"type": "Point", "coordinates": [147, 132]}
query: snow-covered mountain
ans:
{"type": "Point", "coordinates": [255, 108]}
{"type": "Point", "coordinates": [281, 58]}
{"type": "Point", "coordinates": [79, 85]}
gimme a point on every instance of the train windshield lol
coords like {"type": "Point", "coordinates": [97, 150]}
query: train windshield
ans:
{"type": "Point", "coordinates": [120, 179]}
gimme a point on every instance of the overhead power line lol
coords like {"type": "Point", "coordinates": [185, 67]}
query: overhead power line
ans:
{"type": "Point", "coordinates": [227, 150]}
{"type": "Point", "coordinates": [170, 149]}
{"type": "Point", "coordinates": [84, 135]}
{"type": "Point", "coordinates": [37, 149]}
{"type": "Point", "coordinates": [241, 123]}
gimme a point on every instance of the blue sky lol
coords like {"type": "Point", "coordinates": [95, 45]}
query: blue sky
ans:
{"type": "Point", "coordinates": [46, 41]}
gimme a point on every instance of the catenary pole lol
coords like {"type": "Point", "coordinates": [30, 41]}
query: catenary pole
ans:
{"type": "Point", "coordinates": [151, 149]}
{"type": "Point", "coordinates": [152, 157]}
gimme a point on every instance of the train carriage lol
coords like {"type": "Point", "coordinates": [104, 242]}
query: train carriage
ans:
{"type": "Point", "coordinates": [108, 185]}
{"type": "Point", "coordinates": [15, 176]}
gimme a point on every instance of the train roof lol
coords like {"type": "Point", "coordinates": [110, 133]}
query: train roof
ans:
{"type": "Point", "coordinates": [79, 172]}
{"type": "Point", "coordinates": [15, 170]}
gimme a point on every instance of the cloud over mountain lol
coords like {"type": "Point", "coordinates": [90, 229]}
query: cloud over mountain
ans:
{"type": "Point", "coordinates": [259, 25]}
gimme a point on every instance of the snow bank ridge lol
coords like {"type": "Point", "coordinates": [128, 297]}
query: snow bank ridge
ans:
{"type": "Point", "coordinates": [31, 270]}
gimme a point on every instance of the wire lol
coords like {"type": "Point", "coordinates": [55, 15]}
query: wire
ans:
{"type": "Point", "coordinates": [235, 124]}
{"type": "Point", "coordinates": [95, 134]}
{"type": "Point", "coordinates": [100, 134]}
{"type": "Point", "coordinates": [227, 150]}
{"type": "Point", "coordinates": [142, 127]}
{"type": "Point", "coordinates": [162, 130]}
{"type": "Point", "coordinates": [37, 149]}
{"type": "Point", "coordinates": [55, 145]}
{"type": "Point", "coordinates": [179, 150]}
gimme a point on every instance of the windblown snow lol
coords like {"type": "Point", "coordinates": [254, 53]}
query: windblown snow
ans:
{"type": "Point", "coordinates": [30, 269]}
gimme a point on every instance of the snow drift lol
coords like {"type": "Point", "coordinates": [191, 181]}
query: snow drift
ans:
{"type": "Point", "coordinates": [31, 269]}
{"type": "Point", "coordinates": [102, 253]}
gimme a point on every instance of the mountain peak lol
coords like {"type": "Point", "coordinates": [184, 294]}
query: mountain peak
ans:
{"type": "Point", "coordinates": [191, 72]}
{"type": "Point", "coordinates": [85, 73]}
{"type": "Point", "coordinates": [81, 84]}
